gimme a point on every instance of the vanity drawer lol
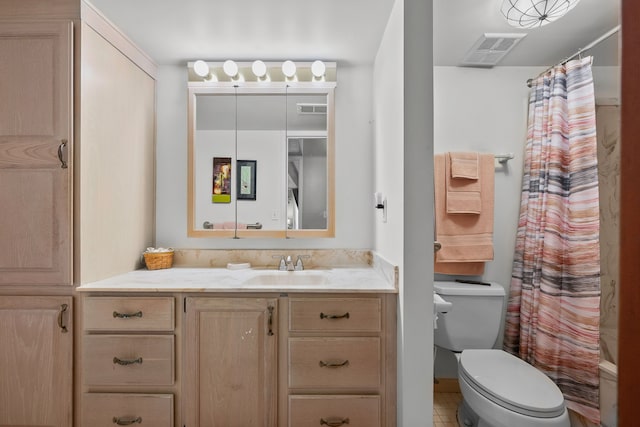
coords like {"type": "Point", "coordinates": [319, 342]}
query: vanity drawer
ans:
{"type": "Point", "coordinates": [336, 363]}
{"type": "Point", "coordinates": [129, 313]}
{"type": "Point", "coordinates": [128, 359]}
{"type": "Point", "coordinates": [112, 409]}
{"type": "Point", "coordinates": [351, 411]}
{"type": "Point", "coordinates": [335, 314]}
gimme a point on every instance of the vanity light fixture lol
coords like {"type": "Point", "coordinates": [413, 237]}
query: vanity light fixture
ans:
{"type": "Point", "coordinates": [201, 69]}
{"type": "Point", "coordinates": [259, 68]}
{"type": "Point", "coordinates": [289, 68]}
{"type": "Point", "coordinates": [318, 69]}
{"type": "Point", "coordinates": [230, 68]}
{"type": "Point", "coordinates": [535, 13]}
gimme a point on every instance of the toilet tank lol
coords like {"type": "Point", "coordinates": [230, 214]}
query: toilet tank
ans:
{"type": "Point", "coordinates": [474, 318]}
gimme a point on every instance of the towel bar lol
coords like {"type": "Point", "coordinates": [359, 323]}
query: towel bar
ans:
{"type": "Point", "coordinates": [504, 158]}
{"type": "Point", "coordinates": [209, 226]}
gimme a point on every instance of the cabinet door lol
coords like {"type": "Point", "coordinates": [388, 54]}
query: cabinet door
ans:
{"type": "Point", "coordinates": [36, 361]}
{"type": "Point", "coordinates": [35, 122]}
{"type": "Point", "coordinates": [230, 362]}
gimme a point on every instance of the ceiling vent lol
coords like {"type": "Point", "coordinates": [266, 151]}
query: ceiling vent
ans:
{"type": "Point", "coordinates": [490, 49]}
{"type": "Point", "coordinates": [312, 108]}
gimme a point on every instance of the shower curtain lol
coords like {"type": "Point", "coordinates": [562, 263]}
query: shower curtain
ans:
{"type": "Point", "coordinates": [552, 317]}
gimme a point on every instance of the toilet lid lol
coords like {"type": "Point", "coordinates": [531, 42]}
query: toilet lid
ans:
{"type": "Point", "coordinates": [511, 383]}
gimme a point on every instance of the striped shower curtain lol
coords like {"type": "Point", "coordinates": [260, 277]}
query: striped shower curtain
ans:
{"type": "Point", "coordinates": [553, 309]}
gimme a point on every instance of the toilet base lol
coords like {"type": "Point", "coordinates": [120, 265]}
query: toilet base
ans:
{"type": "Point", "coordinates": [466, 417]}
{"type": "Point", "coordinates": [477, 411]}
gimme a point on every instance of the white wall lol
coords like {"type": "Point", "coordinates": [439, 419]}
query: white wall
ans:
{"type": "Point", "coordinates": [354, 166]}
{"type": "Point", "coordinates": [486, 110]}
{"type": "Point", "coordinates": [403, 136]}
{"type": "Point", "coordinates": [388, 121]}
{"type": "Point", "coordinates": [267, 148]}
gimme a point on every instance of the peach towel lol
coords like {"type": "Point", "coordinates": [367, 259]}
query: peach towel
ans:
{"type": "Point", "coordinates": [463, 192]}
{"type": "Point", "coordinates": [464, 165]}
{"type": "Point", "coordinates": [467, 239]}
{"type": "Point", "coordinates": [228, 225]}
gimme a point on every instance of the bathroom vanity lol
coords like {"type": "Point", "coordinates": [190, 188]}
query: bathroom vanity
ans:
{"type": "Point", "coordinates": [255, 347]}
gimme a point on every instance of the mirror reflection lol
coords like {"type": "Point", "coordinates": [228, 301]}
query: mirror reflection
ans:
{"type": "Point", "coordinates": [307, 183]}
{"type": "Point", "coordinates": [260, 163]}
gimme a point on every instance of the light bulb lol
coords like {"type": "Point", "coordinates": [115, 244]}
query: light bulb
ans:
{"type": "Point", "coordinates": [318, 68]}
{"type": "Point", "coordinates": [230, 68]}
{"type": "Point", "coordinates": [289, 68]}
{"type": "Point", "coordinates": [201, 68]}
{"type": "Point", "coordinates": [259, 68]}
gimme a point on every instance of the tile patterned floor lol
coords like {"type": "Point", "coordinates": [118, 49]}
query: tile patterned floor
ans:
{"type": "Point", "coordinates": [444, 409]}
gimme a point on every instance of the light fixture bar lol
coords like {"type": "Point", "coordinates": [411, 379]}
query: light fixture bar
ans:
{"type": "Point", "coordinates": [263, 72]}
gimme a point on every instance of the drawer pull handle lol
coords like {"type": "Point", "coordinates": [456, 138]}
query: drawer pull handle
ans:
{"type": "Point", "coordinates": [61, 325]}
{"type": "Point", "coordinates": [270, 333]}
{"type": "Point", "coordinates": [126, 315]}
{"type": "Point", "coordinates": [124, 362]}
{"type": "Point", "coordinates": [127, 421]}
{"type": "Point", "coordinates": [334, 422]}
{"type": "Point", "coordinates": [334, 316]}
{"type": "Point", "coordinates": [336, 364]}
{"type": "Point", "coordinates": [62, 146]}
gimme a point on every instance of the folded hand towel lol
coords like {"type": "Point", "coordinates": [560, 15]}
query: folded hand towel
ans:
{"type": "Point", "coordinates": [467, 240]}
{"type": "Point", "coordinates": [230, 225]}
{"type": "Point", "coordinates": [464, 165]}
{"type": "Point", "coordinates": [463, 195]}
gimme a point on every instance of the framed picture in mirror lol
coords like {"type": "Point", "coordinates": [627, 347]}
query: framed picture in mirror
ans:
{"type": "Point", "coordinates": [221, 180]}
{"type": "Point", "coordinates": [246, 179]}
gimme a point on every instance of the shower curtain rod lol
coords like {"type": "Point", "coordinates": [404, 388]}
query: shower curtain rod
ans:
{"type": "Point", "coordinates": [587, 47]}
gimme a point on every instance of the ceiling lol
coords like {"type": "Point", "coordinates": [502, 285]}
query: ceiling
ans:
{"type": "Point", "coordinates": [346, 31]}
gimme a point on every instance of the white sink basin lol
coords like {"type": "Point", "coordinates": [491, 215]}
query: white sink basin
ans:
{"type": "Point", "coordinates": [440, 305]}
{"type": "Point", "coordinates": [288, 278]}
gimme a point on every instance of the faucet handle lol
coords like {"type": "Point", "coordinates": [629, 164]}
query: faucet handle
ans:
{"type": "Point", "coordinates": [299, 265]}
{"type": "Point", "coordinates": [282, 265]}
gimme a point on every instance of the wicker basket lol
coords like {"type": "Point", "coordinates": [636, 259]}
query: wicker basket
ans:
{"type": "Point", "coordinates": [158, 260]}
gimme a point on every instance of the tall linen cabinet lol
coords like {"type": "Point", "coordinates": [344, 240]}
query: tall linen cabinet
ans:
{"type": "Point", "coordinates": [77, 192]}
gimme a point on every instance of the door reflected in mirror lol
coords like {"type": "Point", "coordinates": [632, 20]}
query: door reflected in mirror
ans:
{"type": "Point", "coordinates": [307, 188]}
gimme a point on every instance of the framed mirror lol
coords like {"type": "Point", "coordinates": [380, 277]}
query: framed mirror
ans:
{"type": "Point", "coordinates": [260, 161]}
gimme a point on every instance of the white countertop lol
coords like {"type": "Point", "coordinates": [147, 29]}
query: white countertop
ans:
{"type": "Point", "coordinates": [331, 280]}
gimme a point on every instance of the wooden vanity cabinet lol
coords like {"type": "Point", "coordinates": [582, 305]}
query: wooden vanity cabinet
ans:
{"type": "Point", "coordinates": [340, 361]}
{"type": "Point", "coordinates": [35, 142]}
{"type": "Point", "coordinates": [240, 360]}
{"type": "Point", "coordinates": [73, 98]}
{"type": "Point", "coordinates": [128, 361]}
{"type": "Point", "coordinates": [36, 362]}
{"type": "Point", "coordinates": [36, 341]}
{"type": "Point", "coordinates": [230, 364]}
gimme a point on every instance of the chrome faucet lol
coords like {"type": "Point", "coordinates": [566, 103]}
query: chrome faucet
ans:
{"type": "Point", "coordinates": [290, 266]}
{"type": "Point", "coordinates": [287, 264]}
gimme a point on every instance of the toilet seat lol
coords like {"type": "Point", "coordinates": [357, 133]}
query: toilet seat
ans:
{"type": "Point", "coordinates": [511, 383]}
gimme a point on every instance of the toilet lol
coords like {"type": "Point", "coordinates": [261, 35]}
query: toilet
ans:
{"type": "Point", "coordinates": [498, 389]}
